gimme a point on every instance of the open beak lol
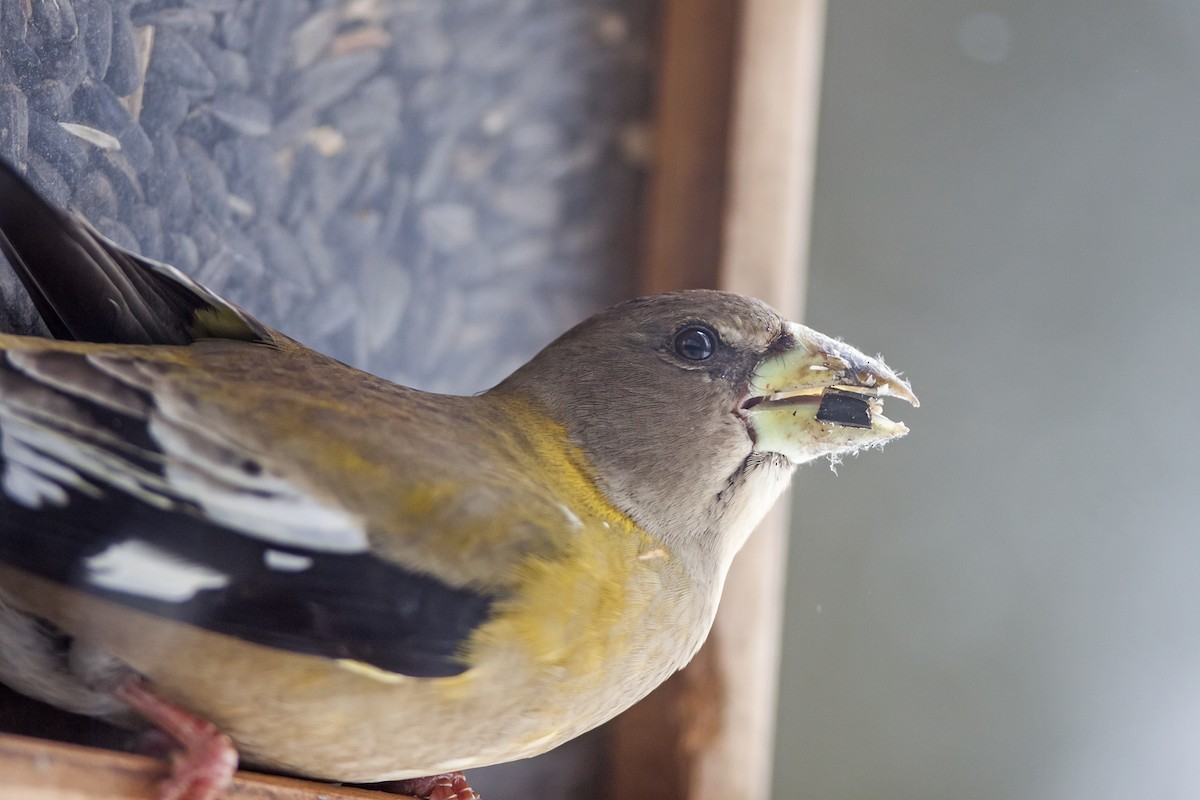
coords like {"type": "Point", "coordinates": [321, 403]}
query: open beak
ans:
{"type": "Point", "coordinates": [821, 397]}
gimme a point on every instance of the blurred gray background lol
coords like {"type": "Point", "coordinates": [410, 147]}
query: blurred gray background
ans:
{"type": "Point", "coordinates": [1006, 604]}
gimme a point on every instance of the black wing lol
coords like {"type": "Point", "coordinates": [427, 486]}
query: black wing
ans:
{"type": "Point", "coordinates": [98, 492]}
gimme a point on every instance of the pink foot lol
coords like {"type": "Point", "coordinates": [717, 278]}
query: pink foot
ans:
{"type": "Point", "coordinates": [451, 786]}
{"type": "Point", "coordinates": [203, 768]}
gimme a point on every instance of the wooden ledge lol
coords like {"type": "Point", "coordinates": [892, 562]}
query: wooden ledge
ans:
{"type": "Point", "coordinates": [38, 769]}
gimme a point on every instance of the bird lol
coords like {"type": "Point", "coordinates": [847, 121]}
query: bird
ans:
{"type": "Point", "coordinates": [210, 529]}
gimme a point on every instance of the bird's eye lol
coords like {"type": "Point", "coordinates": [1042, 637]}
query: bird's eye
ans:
{"type": "Point", "coordinates": [696, 343]}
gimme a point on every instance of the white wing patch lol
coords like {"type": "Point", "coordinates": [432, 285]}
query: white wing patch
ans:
{"type": "Point", "coordinates": [286, 562]}
{"type": "Point", "coordinates": [260, 504]}
{"type": "Point", "coordinates": [50, 448]}
{"type": "Point", "coordinates": [30, 478]}
{"type": "Point", "coordinates": [30, 488]}
{"type": "Point", "coordinates": [135, 567]}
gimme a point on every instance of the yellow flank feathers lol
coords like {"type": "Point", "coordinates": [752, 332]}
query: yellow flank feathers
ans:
{"type": "Point", "coordinates": [568, 612]}
{"type": "Point", "coordinates": [573, 474]}
{"type": "Point", "coordinates": [571, 607]}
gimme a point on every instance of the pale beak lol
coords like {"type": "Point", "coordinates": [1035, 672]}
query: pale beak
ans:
{"type": "Point", "coordinates": [821, 397]}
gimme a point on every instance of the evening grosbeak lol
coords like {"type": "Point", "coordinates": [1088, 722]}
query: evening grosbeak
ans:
{"type": "Point", "coordinates": [210, 527]}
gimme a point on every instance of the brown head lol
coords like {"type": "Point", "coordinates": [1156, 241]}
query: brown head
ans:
{"type": "Point", "coordinates": [694, 408]}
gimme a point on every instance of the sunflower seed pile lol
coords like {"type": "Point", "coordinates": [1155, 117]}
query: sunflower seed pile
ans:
{"type": "Point", "coordinates": [429, 190]}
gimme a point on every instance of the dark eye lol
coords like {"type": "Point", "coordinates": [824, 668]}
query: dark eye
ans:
{"type": "Point", "coordinates": [695, 343]}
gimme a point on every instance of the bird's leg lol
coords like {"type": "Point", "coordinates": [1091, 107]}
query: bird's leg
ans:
{"type": "Point", "coordinates": [450, 786]}
{"type": "Point", "coordinates": [203, 767]}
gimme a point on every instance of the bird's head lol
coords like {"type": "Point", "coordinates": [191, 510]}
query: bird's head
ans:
{"type": "Point", "coordinates": [694, 407]}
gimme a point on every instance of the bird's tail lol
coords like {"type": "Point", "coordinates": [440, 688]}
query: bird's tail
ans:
{"type": "Point", "coordinates": [87, 288]}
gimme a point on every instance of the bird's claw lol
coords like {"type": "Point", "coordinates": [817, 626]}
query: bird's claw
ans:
{"type": "Point", "coordinates": [203, 767]}
{"type": "Point", "coordinates": [449, 786]}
